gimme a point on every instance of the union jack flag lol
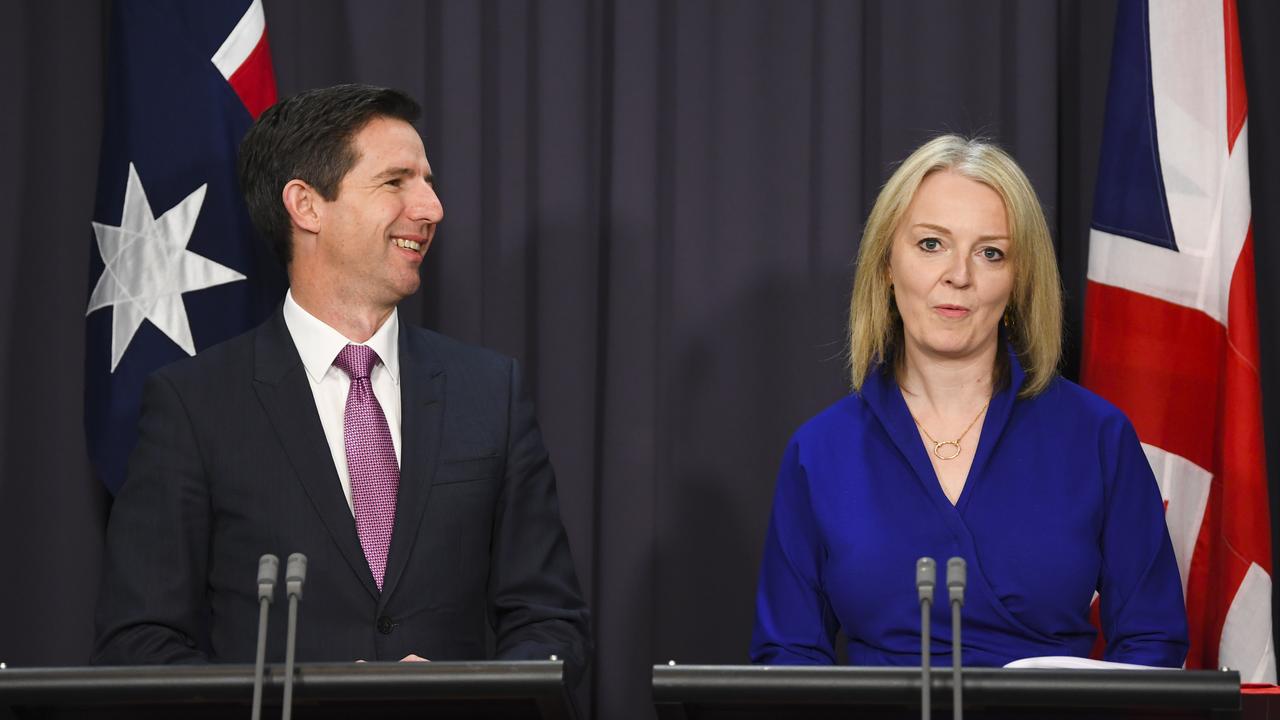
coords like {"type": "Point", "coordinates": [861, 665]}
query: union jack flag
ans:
{"type": "Point", "coordinates": [1171, 330]}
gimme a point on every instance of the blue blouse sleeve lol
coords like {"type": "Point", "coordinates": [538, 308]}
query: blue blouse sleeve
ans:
{"type": "Point", "coordinates": [794, 622]}
{"type": "Point", "coordinates": [1144, 620]}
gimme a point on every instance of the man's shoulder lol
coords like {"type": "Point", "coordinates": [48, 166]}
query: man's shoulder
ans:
{"type": "Point", "coordinates": [481, 382]}
{"type": "Point", "coordinates": [453, 354]}
{"type": "Point", "coordinates": [229, 358]}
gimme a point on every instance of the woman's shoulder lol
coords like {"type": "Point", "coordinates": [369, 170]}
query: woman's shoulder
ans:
{"type": "Point", "coordinates": [1070, 402]}
{"type": "Point", "coordinates": [846, 415]}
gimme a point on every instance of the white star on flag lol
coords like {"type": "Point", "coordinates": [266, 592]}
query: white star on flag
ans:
{"type": "Point", "coordinates": [148, 268]}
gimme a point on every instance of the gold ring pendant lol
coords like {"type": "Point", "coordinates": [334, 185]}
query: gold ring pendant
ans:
{"type": "Point", "coordinates": [937, 449]}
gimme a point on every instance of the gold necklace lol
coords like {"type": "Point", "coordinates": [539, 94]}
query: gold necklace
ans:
{"type": "Point", "coordinates": [937, 446]}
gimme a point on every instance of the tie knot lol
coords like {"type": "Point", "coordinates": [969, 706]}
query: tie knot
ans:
{"type": "Point", "coordinates": [356, 361]}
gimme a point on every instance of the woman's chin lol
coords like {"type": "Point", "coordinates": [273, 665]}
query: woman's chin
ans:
{"type": "Point", "coordinates": [957, 349]}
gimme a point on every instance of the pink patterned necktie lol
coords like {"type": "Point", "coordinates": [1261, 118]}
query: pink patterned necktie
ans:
{"type": "Point", "coordinates": [371, 459]}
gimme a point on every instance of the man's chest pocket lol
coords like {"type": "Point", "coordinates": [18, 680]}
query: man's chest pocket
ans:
{"type": "Point", "coordinates": [468, 466]}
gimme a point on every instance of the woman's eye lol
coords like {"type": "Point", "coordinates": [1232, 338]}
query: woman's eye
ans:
{"type": "Point", "coordinates": [930, 244]}
{"type": "Point", "coordinates": [992, 254]}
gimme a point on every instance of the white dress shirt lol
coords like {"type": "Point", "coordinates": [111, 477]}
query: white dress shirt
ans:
{"type": "Point", "coordinates": [319, 345]}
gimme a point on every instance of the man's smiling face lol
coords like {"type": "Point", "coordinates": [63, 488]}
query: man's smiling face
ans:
{"type": "Point", "coordinates": [375, 233]}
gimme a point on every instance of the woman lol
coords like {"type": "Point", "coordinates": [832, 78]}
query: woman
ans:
{"type": "Point", "coordinates": [961, 440]}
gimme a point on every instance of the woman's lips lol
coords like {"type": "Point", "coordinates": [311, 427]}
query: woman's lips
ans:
{"type": "Point", "coordinates": [951, 311]}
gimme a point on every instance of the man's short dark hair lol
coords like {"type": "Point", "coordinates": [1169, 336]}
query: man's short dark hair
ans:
{"type": "Point", "coordinates": [308, 137]}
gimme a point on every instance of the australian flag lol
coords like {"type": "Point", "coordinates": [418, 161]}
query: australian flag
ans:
{"type": "Point", "coordinates": [1171, 326]}
{"type": "Point", "coordinates": [176, 265]}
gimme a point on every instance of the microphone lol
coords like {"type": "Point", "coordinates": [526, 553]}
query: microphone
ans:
{"type": "Point", "coordinates": [926, 580]}
{"type": "Point", "coordinates": [268, 571]}
{"type": "Point", "coordinates": [956, 577]}
{"type": "Point", "coordinates": [295, 574]}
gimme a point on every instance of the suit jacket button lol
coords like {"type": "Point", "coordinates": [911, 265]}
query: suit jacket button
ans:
{"type": "Point", "coordinates": [385, 625]}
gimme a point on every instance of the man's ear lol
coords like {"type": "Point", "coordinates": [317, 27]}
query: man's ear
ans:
{"type": "Point", "coordinates": [301, 201]}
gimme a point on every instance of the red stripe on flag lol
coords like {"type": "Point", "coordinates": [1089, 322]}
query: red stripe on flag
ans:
{"type": "Point", "coordinates": [1099, 650]}
{"type": "Point", "coordinates": [1215, 575]}
{"type": "Point", "coordinates": [255, 81]}
{"type": "Point", "coordinates": [1244, 467]}
{"type": "Point", "coordinates": [1160, 362]}
{"type": "Point", "coordinates": [1237, 99]}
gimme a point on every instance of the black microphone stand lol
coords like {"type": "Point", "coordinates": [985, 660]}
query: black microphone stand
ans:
{"type": "Point", "coordinates": [926, 579]}
{"type": "Point", "coordinates": [295, 575]}
{"type": "Point", "coordinates": [268, 571]}
{"type": "Point", "coordinates": [956, 578]}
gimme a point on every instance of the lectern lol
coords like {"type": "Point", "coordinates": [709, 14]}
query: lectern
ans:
{"type": "Point", "coordinates": [730, 692]}
{"type": "Point", "coordinates": [346, 691]}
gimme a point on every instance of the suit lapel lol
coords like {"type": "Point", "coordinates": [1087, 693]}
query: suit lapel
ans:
{"type": "Point", "coordinates": [280, 381]}
{"type": "Point", "coordinates": [422, 398]}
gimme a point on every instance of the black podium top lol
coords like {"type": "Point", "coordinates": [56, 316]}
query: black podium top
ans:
{"type": "Point", "coordinates": [721, 692]}
{"type": "Point", "coordinates": [472, 690]}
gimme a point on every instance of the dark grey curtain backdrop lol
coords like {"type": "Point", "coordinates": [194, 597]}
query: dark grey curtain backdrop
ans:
{"type": "Point", "coordinates": [655, 205]}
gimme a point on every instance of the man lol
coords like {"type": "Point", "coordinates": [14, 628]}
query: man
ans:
{"type": "Point", "coordinates": [407, 467]}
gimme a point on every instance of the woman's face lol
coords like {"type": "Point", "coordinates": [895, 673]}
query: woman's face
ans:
{"type": "Point", "coordinates": [949, 268]}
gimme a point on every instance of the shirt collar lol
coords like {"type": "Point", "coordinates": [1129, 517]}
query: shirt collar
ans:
{"type": "Point", "coordinates": [318, 343]}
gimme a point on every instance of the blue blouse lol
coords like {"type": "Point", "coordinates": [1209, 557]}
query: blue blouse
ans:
{"type": "Point", "coordinates": [1059, 502]}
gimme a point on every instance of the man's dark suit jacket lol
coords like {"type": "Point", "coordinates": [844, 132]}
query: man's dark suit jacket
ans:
{"type": "Point", "coordinates": [232, 462]}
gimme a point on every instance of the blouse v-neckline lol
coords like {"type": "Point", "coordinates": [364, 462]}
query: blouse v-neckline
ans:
{"type": "Point", "coordinates": [884, 397]}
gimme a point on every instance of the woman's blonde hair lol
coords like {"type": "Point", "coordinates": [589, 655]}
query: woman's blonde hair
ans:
{"type": "Point", "coordinates": [1034, 312]}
